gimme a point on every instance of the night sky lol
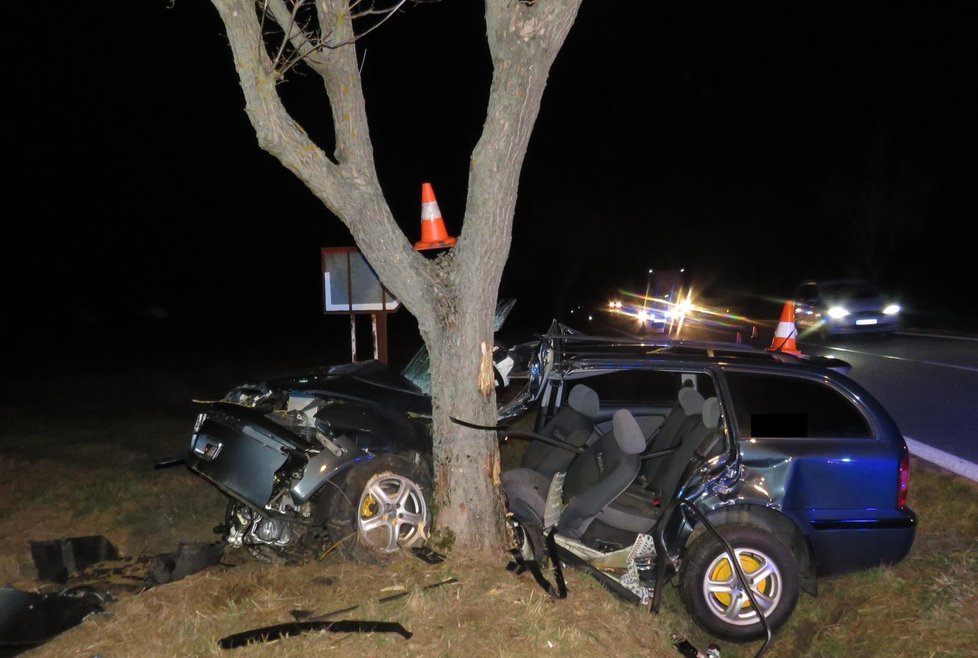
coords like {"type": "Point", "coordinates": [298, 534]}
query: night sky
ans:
{"type": "Point", "coordinates": [736, 139]}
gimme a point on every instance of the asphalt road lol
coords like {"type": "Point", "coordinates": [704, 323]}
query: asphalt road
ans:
{"type": "Point", "coordinates": [929, 384]}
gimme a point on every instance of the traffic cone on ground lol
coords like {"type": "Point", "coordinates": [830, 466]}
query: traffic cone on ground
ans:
{"type": "Point", "coordinates": [785, 334]}
{"type": "Point", "coordinates": [433, 233]}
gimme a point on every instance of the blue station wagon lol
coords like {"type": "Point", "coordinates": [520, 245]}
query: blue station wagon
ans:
{"type": "Point", "coordinates": [708, 449]}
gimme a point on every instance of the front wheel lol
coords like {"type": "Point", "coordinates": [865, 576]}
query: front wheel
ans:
{"type": "Point", "coordinates": [381, 508]}
{"type": "Point", "coordinates": [714, 595]}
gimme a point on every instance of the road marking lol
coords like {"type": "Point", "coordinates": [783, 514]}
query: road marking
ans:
{"type": "Point", "coordinates": [941, 336]}
{"type": "Point", "coordinates": [953, 463]}
{"type": "Point", "coordinates": [902, 358]}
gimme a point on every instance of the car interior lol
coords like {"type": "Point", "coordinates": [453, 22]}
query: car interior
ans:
{"type": "Point", "coordinates": [626, 456]}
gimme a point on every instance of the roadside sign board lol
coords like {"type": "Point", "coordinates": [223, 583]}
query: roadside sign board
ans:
{"type": "Point", "coordinates": [350, 285]}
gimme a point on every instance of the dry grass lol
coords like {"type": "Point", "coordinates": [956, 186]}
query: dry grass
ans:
{"type": "Point", "coordinates": [61, 478]}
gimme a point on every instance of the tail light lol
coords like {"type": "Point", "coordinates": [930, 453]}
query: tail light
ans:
{"type": "Point", "coordinates": [904, 481]}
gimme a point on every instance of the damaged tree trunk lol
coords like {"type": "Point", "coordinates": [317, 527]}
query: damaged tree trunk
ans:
{"type": "Point", "coordinates": [453, 296]}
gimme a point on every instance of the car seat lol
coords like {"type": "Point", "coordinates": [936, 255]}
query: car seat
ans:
{"type": "Point", "coordinates": [683, 416]}
{"type": "Point", "coordinates": [595, 478]}
{"type": "Point", "coordinates": [573, 424]}
{"type": "Point", "coordinates": [635, 510]}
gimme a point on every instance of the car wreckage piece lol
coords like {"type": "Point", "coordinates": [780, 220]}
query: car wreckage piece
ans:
{"type": "Point", "coordinates": [89, 573]}
{"type": "Point", "coordinates": [29, 619]}
{"type": "Point", "coordinates": [305, 622]}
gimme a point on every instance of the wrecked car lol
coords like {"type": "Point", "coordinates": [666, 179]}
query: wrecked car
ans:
{"type": "Point", "coordinates": [659, 461]}
{"type": "Point", "coordinates": [648, 462]}
{"type": "Point", "coordinates": [339, 454]}
{"type": "Point", "coordinates": [338, 457]}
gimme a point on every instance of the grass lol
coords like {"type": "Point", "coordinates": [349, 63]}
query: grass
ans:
{"type": "Point", "coordinates": [89, 471]}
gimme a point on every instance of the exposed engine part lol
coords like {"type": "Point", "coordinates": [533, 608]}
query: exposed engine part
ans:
{"type": "Point", "coordinates": [249, 395]}
{"type": "Point", "coordinates": [272, 531]}
{"type": "Point", "coordinates": [248, 527]}
{"type": "Point", "coordinates": [306, 405]}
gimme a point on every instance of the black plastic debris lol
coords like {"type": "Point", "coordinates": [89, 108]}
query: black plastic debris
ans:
{"type": "Point", "coordinates": [95, 563]}
{"type": "Point", "coordinates": [28, 620]}
{"type": "Point", "coordinates": [428, 555]}
{"type": "Point", "coordinates": [186, 560]}
{"type": "Point", "coordinates": [59, 558]}
{"type": "Point", "coordinates": [305, 623]}
{"type": "Point", "coordinates": [270, 633]}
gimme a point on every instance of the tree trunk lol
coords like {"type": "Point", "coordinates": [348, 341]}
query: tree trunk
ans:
{"type": "Point", "coordinates": [470, 512]}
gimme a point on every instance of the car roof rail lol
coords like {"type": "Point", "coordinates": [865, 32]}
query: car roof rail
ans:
{"type": "Point", "coordinates": [570, 342]}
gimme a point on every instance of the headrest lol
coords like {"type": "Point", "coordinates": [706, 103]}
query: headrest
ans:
{"type": "Point", "coordinates": [690, 400]}
{"type": "Point", "coordinates": [627, 432]}
{"type": "Point", "coordinates": [711, 412]}
{"type": "Point", "coordinates": [584, 400]}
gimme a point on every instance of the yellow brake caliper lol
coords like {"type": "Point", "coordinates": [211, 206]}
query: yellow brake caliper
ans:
{"type": "Point", "coordinates": [369, 506]}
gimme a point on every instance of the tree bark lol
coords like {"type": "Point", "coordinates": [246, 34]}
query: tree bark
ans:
{"type": "Point", "coordinates": [452, 296]}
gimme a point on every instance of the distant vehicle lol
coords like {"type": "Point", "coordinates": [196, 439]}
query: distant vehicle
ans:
{"type": "Point", "coordinates": [832, 307]}
{"type": "Point", "coordinates": [662, 308]}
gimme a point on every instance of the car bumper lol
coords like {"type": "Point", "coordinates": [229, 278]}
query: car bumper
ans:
{"type": "Point", "coordinates": [862, 325]}
{"type": "Point", "coordinates": [841, 546]}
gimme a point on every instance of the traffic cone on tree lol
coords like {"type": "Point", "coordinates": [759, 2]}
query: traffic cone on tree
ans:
{"type": "Point", "coordinates": [786, 333]}
{"type": "Point", "coordinates": [433, 233]}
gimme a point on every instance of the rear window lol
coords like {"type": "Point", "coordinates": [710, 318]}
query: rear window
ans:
{"type": "Point", "coordinates": [771, 406]}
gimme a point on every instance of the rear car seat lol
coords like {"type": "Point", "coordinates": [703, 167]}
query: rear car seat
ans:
{"type": "Point", "coordinates": [635, 510]}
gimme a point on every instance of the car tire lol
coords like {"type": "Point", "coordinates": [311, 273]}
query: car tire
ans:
{"type": "Point", "coordinates": [381, 508]}
{"type": "Point", "coordinates": [712, 593]}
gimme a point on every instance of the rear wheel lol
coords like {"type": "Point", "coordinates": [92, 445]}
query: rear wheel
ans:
{"type": "Point", "coordinates": [714, 595]}
{"type": "Point", "coordinates": [381, 508]}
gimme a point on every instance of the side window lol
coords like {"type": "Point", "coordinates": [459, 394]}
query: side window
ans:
{"type": "Point", "coordinates": [643, 387]}
{"type": "Point", "coordinates": [768, 406]}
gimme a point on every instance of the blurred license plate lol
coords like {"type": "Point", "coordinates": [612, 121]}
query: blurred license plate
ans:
{"type": "Point", "coordinates": [866, 321]}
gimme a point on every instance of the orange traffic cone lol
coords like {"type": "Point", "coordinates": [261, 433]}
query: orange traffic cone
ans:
{"type": "Point", "coordinates": [785, 334]}
{"type": "Point", "coordinates": [433, 233]}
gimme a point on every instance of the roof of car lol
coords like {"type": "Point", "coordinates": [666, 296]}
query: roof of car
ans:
{"type": "Point", "coordinates": [573, 345]}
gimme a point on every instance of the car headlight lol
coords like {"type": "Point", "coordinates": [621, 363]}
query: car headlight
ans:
{"type": "Point", "coordinates": [837, 312]}
{"type": "Point", "coordinates": [891, 309]}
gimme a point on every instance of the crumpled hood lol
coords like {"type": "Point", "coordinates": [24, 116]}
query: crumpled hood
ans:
{"type": "Point", "coordinates": [368, 381]}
